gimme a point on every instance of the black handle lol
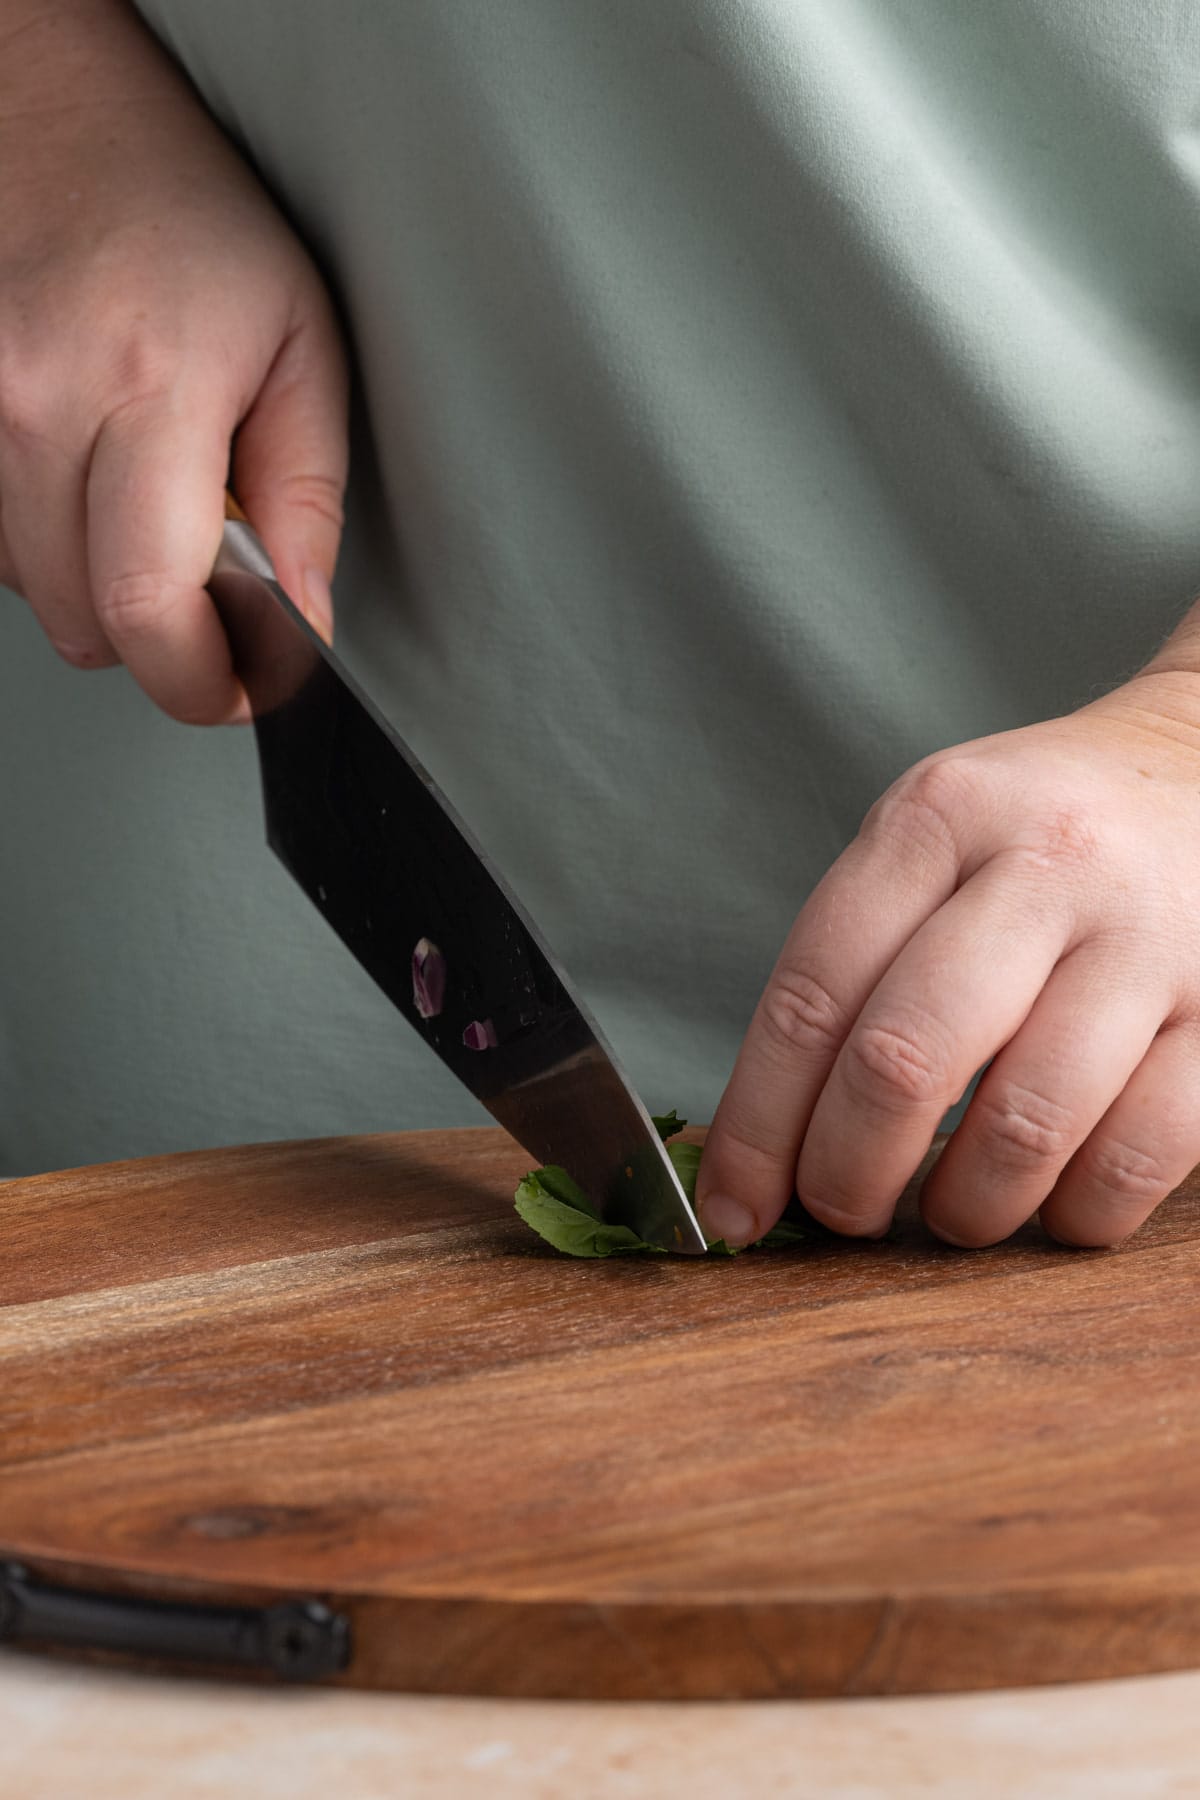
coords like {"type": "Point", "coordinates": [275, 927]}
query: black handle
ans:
{"type": "Point", "coordinates": [297, 1640]}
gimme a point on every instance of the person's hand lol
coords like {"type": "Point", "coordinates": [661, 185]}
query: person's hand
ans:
{"type": "Point", "coordinates": [153, 303]}
{"type": "Point", "coordinates": [1031, 898]}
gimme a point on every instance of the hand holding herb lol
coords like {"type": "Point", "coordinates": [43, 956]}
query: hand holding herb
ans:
{"type": "Point", "coordinates": [559, 1211]}
{"type": "Point", "coordinates": [1023, 904]}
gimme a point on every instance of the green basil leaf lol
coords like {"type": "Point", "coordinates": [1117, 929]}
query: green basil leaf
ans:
{"type": "Point", "coordinates": [559, 1211]}
{"type": "Point", "coordinates": [685, 1160]}
{"type": "Point", "coordinates": [787, 1231]}
{"type": "Point", "coordinates": [569, 1227]}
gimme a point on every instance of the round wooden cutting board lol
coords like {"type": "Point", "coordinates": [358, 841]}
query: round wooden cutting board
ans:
{"type": "Point", "coordinates": [338, 1389]}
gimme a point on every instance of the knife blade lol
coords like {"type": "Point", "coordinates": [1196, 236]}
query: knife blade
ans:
{"type": "Point", "coordinates": [365, 831]}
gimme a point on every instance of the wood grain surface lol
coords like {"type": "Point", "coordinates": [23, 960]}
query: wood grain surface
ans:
{"type": "Point", "coordinates": [345, 1369]}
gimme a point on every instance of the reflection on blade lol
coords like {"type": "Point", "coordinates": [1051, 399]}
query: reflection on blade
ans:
{"type": "Point", "coordinates": [362, 828]}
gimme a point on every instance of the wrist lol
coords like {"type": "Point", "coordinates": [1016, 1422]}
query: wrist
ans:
{"type": "Point", "coordinates": [1180, 652]}
{"type": "Point", "coordinates": [1158, 704]}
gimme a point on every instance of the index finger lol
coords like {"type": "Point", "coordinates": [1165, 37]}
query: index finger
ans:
{"type": "Point", "coordinates": [155, 512]}
{"type": "Point", "coordinates": [903, 865]}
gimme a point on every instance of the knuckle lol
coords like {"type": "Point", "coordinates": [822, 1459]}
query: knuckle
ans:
{"type": "Point", "coordinates": [133, 605]}
{"type": "Point", "coordinates": [60, 384]}
{"type": "Point", "coordinates": [1125, 1174]}
{"type": "Point", "coordinates": [893, 1065]}
{"type": "Point", "coordinates": [44, 401]}
{"type": "Point", "coordinates": [1067, 840]}
{"type": "Point", "coordinates": [736, 1141]}
{"type": "Point", "coordinates": [925, 805]}
{"type": "Point", "coordinates": [24, 403]}
{"type": "Point", "coordinates": [142, 367]}
{"type": "Point", "coordinates": [1022, 1129]}
{"type": "Point", "coordinates": [800, 1014]}
{"type": "Point", "coordinates": [321, 496]}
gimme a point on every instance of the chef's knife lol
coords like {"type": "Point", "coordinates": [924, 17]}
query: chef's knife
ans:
{"type": "Point", "coordinates": [358, 822]}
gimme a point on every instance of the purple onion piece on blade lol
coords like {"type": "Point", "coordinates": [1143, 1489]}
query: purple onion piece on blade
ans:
{"type": "Point", "coordinates": [428, 978]}
{"type": "Point", "coordinates": [480, 1035]}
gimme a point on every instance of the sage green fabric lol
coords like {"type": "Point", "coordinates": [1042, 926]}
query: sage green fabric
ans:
{"type": "Point", "coordinates": [753, 398]}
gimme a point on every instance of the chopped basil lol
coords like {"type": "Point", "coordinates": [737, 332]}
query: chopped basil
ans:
{"type": "Point", "coordinates": [559, 1211]}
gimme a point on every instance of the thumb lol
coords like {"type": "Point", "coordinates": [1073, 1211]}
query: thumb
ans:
{"type": "Point", "coordinates": [290, 460]}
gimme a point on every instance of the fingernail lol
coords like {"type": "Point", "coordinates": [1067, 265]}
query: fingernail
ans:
{"type": "Point", "coordinates": [721, 1216]}
{"type": "Point", "coordinates": [844, 1223]}
{"type": "Point", "coordinates": [947, 1237]}
{"type": "Point", "coordinates": [318, 604]}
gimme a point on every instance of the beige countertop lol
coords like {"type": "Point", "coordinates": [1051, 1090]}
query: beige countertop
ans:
{"type": "Point", "coordinates": [67, 1733]}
